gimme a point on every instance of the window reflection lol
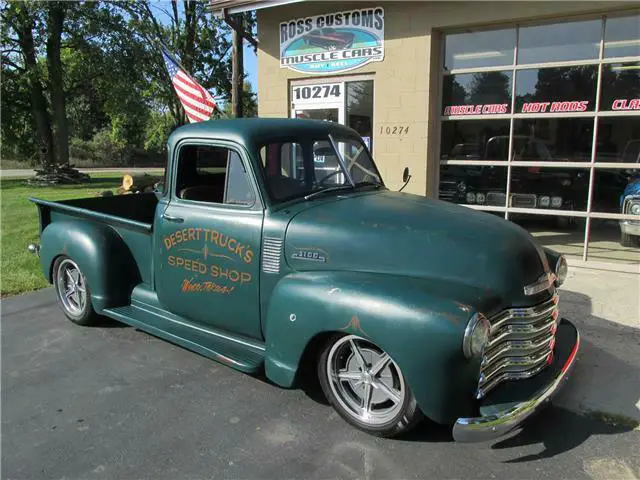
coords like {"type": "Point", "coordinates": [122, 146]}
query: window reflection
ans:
{"type": "Point", "coordinates": [360, 109]}
{"type": "Point", "coordinates": [622, 37]}
{"type": "Point", "coordinates": [621, 87]}
{"type": "Point", "coordinates": [475, 140]}
{"type": "Point", "coordinates": [553, 139]}
{"type": "Point", "coordinates": [484, 93]}
{"type": "Point", "coordinates": [611, 185]}
{"type": "Point", "coordinates": [560, 42]}
{"type": "Point", "coordinates": [556, 90]}
{"type": "Point", "coordinates": [618, 140]}
{"type": "Point", "coordinates": [480, 49]}
{"type": "Point", "coordinates": [560, 233]}
{"type": "Point", "coordinates": [474, 185]}
{"type": "Point", "coordinates": [608, 243]}
{"type": "Point", "coordinates": [549, 188]}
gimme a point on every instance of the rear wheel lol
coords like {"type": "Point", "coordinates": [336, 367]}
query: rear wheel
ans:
{"type": "Point", "coordinates": [73, 292]}
{"type": "Point", "coordinates": [366, 387]}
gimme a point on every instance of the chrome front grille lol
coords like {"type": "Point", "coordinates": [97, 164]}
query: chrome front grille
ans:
{"type": "Point", "coordinates": [520, 345]}
{"type": "Point", "coordinates": [523, 200]}
{"type": "Point", "coordinates": [496, 199]}
{"type": "Point", "coordinates": [447, 191]}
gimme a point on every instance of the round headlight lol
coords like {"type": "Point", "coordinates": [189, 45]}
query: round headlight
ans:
{"type": "Point", "coordinates": [476, 336]}
{"type": "Point", "coordinates": [561, 270]}
{"type": "Point", "coordinates": [544, 201]}
{"type": "Point", "coordinates": [471, 197]}
{"type": "Point", "coordinates": [480, 198]}
{"type": "Point", "coordinates": [462, 187]}
{"type": "Point", "coordinates": [556, 202]}
{"type": "Point", "coordinates": [635, 209]}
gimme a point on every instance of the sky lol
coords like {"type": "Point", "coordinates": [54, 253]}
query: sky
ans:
{"type": "Point", "coordinates": [251, 66]}
{"type": "Point", "coordinates": [250, 58]}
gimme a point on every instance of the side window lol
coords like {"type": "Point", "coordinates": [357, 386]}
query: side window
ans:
{"type": "Point", "coordinates": [284, 168]}
{"type": "Point", "coordinates": [212, 174]}
{"type": "Point", "coordinates": [238, 190]}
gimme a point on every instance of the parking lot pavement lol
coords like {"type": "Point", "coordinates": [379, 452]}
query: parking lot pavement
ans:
{"type": "Point", "coordinates": [113, 402]}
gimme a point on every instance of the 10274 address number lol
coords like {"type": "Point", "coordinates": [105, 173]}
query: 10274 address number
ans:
{"type": "Point", "coordinates": [398, 130]}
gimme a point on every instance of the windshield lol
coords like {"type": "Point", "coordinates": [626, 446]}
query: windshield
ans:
{"type": "Point", "coordinates": [300, 167]}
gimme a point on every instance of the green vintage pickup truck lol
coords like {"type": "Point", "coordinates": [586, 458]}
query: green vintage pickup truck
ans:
{"type": "Point", "coordinates": [273, 245]}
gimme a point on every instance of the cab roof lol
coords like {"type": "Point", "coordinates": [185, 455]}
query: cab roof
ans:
{"type": "Point", "coordinates": [257, 131]}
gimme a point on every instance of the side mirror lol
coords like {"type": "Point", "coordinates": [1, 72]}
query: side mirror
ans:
{"type": "Point", "coordinates": [406, 176]}
{"type": "Point", "coordinates": [158, 189]}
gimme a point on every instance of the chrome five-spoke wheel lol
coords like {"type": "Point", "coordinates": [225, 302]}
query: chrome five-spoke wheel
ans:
{"type": "Point", "coordinates": [73, 291]}
{"type": "Point", "coordinates": [367, 387]}
{"type": "Point", "coordinates": [71, 284]}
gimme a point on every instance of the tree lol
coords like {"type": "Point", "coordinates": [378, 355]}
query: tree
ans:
{"type": "Point", "coordinates": [189, 31]}
{"type": "Point", "coordinates": [489, 88]}
{"type": "Point", "coordinates": [249, 102]}
{"type": "Point", "coordinates": [19, 58]}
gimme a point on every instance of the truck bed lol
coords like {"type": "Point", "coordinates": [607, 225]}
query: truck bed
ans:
{"type": "Point", "coordinates": [130, 216]}
{"type": "Point", "coordinates": [135, 210]}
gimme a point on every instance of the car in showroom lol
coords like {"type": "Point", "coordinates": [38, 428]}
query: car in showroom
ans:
{"type": "Point", "coordinates": [329, 38]}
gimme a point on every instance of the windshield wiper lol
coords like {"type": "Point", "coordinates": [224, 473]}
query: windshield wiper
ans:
{"type": "Point", "coordinates": [337, 188]}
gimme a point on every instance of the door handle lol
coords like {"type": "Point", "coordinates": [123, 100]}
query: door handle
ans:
{"type": "Point", "coordinates": [171, 218]}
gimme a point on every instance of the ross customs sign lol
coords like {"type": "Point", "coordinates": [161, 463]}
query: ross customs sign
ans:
{"type": "Point", "coordinates": [333, 42]}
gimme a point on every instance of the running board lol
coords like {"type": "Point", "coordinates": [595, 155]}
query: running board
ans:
{"type": "Point", "coordinates": [246, 355]}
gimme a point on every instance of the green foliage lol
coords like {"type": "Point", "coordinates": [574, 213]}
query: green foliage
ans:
{"type": "Point", "coordinates": [249, 102]}
{"type": "Point", "coordinates": [120, 103]}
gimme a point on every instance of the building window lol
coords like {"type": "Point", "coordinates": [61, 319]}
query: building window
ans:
{"type": "Point", "coordinates": [520, 112]}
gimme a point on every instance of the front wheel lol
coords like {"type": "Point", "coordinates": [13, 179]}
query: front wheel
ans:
{"type": "Point", "coordinates": [627, 240]}
{"type": "Point", "coordinates": [366, 387]}
{"type": "Point", "coordinates": [72, 290]}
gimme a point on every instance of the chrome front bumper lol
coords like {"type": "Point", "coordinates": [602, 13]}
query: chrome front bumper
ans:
{"type": "Point", "coordinates": [488, 427]}
{"type": "Point", "coordinates": [630, 227]}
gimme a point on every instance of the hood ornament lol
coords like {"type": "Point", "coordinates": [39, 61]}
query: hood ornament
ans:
{"type": "Point", "coordinates": [544, 282]}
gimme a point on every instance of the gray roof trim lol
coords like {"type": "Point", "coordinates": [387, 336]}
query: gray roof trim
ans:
{"type": "Point", "coordinates": [217, 7]}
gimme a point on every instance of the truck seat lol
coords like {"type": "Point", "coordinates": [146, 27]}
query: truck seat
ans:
{"type": "Point", "coordinates": [284, 187]}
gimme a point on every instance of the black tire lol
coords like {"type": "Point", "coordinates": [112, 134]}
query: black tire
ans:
{"type": "Point", "coordinates": [627, 240]}
{"type": "Point", "coordinates": [78, 307]}
{"type": "Point", "coordinates": [566, 223]}
{"type": "Point", "coordinates": [404, 415]}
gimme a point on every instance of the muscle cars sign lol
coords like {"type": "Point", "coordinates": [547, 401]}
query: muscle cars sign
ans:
{"type": "Point", "coordinates": [333, 42]}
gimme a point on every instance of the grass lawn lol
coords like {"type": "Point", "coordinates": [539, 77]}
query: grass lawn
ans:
{"type": "Point", "coordinates": [19, 227]}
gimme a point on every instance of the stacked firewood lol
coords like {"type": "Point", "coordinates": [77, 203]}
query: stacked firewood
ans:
{"type": "Point", "coordinates": [138, 184]}
{"type": "Point", "coordinates": [135, 184]}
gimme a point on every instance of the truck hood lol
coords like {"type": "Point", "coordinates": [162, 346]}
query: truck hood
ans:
{"type": "Point", "coordinates": [408, 235]}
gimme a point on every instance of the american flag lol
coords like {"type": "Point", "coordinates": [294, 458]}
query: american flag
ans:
{"type": "Point", "coordinates": [197, 102]}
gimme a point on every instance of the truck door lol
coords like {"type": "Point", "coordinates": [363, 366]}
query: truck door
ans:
{"type": "Point", "coordinates": [208, 239]}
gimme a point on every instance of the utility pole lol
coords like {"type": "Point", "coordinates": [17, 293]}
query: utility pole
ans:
{"type": "Point", "coordinates": [237, 73]}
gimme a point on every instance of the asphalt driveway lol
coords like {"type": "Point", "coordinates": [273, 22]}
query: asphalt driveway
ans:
{"type": "Point", "coordinates": [114, 402]}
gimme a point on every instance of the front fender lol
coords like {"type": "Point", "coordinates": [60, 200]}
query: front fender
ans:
{"type": "Point", "coordinates": [421, 330]}
{"type": "Point", "coordinates": [101, 254]}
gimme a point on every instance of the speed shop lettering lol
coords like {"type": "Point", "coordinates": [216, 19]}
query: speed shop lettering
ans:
{"type": "Point", "coordinates": [216, 271]}
{"type": "Point", "coordinates": [244, 252]}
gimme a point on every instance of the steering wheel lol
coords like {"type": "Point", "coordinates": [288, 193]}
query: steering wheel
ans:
{"type": "Point", "coordinates": [327, 177]}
